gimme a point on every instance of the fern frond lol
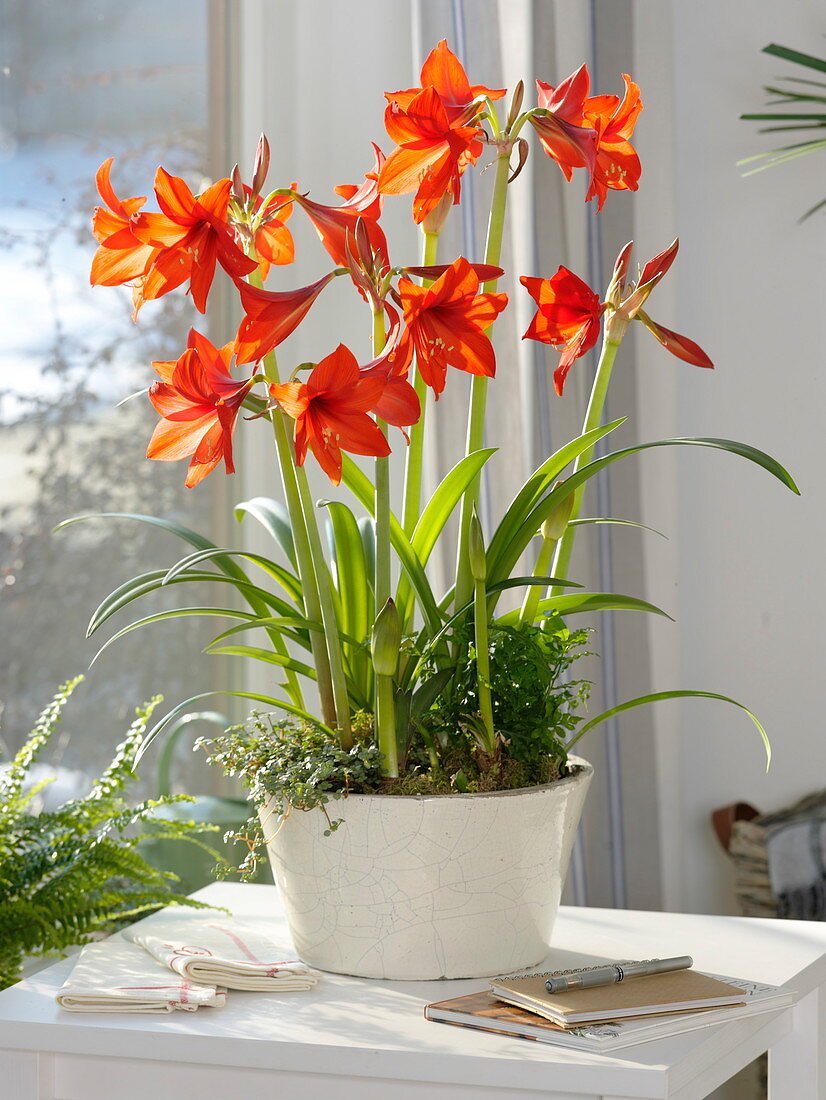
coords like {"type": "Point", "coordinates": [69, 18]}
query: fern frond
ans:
{"type": "Point", "coordinates": [68, 874]}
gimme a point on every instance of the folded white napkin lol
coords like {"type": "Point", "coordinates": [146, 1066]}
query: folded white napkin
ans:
{"type": "Point", "coordinates": [210, 948]}
{"type": "Point", "coordinates": [117, 976]}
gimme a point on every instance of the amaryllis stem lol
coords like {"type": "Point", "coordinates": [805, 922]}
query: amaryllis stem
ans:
{"type": "Point", "coordinates": [480, 631]}
{"type": "Point", "coordinates": [306, 568]}
{"type": "Point", "coordinates": [385, 706]}
{"type": "Point", "coordinates": [304, 558]}
{"type": "Point", "coordinates": [382, 487]}
{"type": "Point", "coordinates": [412, 501]}
{"type": "Point", "coordinates": [479, 385]}
{"type": "Point", "coordinates": [386, 730]}
{"type": "Point", "coordinates": [533, 594]}
{"type": "Point", "coordinates": [593, 419]}
{"type": "Point", "coordinates": [329, 619]}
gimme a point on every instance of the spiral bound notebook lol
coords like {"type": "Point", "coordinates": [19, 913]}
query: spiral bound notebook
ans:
{"type": "Point", "coordinates": [676, 991]}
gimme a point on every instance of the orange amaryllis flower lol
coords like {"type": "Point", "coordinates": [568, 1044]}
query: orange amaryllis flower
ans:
{"type": "Point", "coordinates": [192, 230]}
{"type": "Point", "coordinates": [446, 324]}
{"type": "Point", "coordinates": [618, 166]}
{"type": "Point", "coordinates": [443, 72]}
{"type": "Point", "coordinates": [569, 312]}
{"type": "Point", "coordinates": [121, 257]}
{"type": "Point", "coordinates": [431, 154]}
{"type": "Point", "coordinates": [334, 224]}
{"type": "Point", "coordinates": [399, 403]}
{"type": "Point", "coordinates": [436, 132]}
{"type": "Point", "coordinates": [568, 317]}
{"type": "Point", "coordinates": [198, 400]}
{"type": "Point", "coordinates": [560, 123]}
{"type": "Point", "coordinates": [271, 315]}
{"type": "Point", "coordinates": [331, 412]}
{"type": "Point", "coordinates": [626, 300]}
{"type": "Point", "coordinates": [273, 241]}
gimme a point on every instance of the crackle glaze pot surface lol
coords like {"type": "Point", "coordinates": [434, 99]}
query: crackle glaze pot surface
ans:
{"type": "Point", "coordinates": [452, 886]}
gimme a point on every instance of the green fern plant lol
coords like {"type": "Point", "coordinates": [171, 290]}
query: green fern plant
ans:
{"type": "Point", "coordinates": [70, 873]}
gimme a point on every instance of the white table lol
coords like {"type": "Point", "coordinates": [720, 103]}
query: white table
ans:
{"type": "Point", "coordinates": [353, 1039]}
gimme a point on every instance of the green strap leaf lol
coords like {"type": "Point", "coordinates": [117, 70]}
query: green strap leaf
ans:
{"type": "Point", "coordinates": [501, 563]}
{"type": "Point", "coordinates": [361, 487]}
{"type": "Point", "coordinates": [427, 642]}
{"type": "Point", "coordinates": [185, 533]}
{"type": "Point", "coordinates": [616, 522]}
{"type": "Point", "coordinates": [432, 521]}
{"type": "Point", "coordinates": [657, 696]}
{"type": "Point", "coordinates": [288, 581]}
{"type": "Point", "coordinates": [257, 598]}
{"type": "Point", "coordinates": [537, 484]}
{"type": "Point", "coordinates": [444, 500]}
{"type": "Point", "coordinates": [200, 542]}
{"type": "Point", "coordinates": [283, 624]}
{"type": "Point", "coordinates": [351, 571]}
{"type": "Point", "coordinates": [275, 519]}
{"type": "Point", "coordinates": [266, 655]}
{"type": "Point", "coordinates": [579, 603]}
{"type": "Point", "coordinates": [269, 700]}
{"type": "Point", "coordinates": [179, 612]}
{"type": "Point", "coordinates": [426, 694]}
{"type": "Point", "coordinates": [367, 530]}
{"type": "Point", "coordinates": [163, 784]}
{"type": "Point", "coordinates": [152, 581]}
{"type": "Point", "coordinates": [355, 593]}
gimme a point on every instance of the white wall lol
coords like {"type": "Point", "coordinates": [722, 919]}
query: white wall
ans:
{"type": "Point", "coordinates": [749, 287]}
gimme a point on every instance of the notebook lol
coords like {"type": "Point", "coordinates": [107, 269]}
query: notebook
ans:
{"type": "Point", "coordinates": [482, 1011]}
{"type": "Point", "coordinates": [677, 991]}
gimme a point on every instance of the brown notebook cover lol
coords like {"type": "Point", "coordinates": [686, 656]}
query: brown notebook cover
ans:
{"type": "Point", "coordinates": [481, 1011]}
{"type": "Point", "coordinates": [678, 991]}
{"type": "Point", "coordinates": [491, 1014]}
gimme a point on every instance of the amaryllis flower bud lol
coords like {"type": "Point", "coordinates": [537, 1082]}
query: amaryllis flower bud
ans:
{"type": "Point", "coordinates": [261, 166]}
{"type": "Point", "coordinates": [386, 640]}
{"type": "Point", "coordinates": [434, 220]}
{"type": "Point", "coordinates": [516, 103]}
{"type": "Point", "coordinates": [616, 288]}
{"type": "Point", "coordinates": [237, 185]}
{"type": "Point", "coordinates": [554, 526]}
{"type": "Point", "coordinates": [476, 549]}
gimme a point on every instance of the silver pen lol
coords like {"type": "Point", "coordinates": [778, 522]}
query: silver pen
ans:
{"type": "Point", "coordinates": [615, 972]}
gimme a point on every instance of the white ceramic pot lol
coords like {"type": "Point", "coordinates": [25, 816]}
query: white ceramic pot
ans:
{"type": "Point", "coordinates": [449, 886]}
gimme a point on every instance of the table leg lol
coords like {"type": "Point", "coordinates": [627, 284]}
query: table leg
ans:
{"type": "Point", "coordinates": [796, 1062]}
{"type": "Point", "coordinates": [26, 1075]}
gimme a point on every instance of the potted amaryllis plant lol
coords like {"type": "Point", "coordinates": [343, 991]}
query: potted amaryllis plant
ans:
{"type": "Point", "coordinates": [446, 719]}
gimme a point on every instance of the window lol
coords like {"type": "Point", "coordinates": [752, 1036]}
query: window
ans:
{"type": "Point", "coordinates": [82, 82]}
